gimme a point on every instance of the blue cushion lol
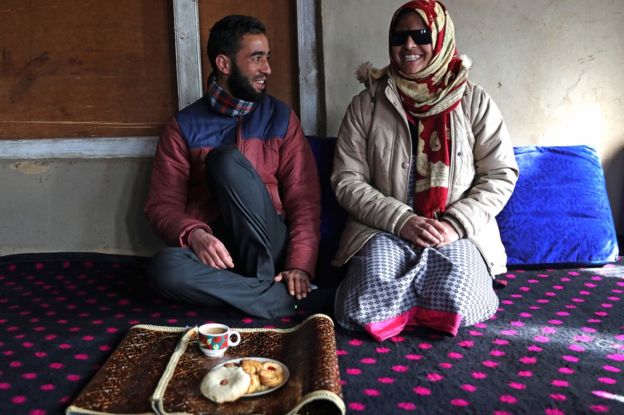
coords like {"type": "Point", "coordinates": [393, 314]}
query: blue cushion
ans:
{"type": "Point", "coordinates": [559, 213]}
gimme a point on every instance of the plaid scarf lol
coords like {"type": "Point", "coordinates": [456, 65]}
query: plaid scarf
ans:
{"type": "Point", "coordinates": [428, 98]}
{"type": "Point", "coordinates": [224, 103]}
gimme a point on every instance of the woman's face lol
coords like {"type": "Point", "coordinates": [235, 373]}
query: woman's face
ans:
{"type": "Point", "coordinates": [409, 57]}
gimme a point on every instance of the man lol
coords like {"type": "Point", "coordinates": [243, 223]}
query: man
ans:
{"type": "Point", "coordinates": [234, 188]}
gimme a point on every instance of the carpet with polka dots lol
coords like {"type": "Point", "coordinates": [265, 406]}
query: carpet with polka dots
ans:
{"type": "Point", "coordinates": [555, 346]}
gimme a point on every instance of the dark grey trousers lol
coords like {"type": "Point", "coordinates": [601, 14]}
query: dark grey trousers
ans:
{"type": "Point", "coordinates": [254, 234]}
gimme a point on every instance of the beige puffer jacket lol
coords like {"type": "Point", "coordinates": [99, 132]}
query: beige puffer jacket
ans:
{"type": "Point", "coordinates": [371, 166]}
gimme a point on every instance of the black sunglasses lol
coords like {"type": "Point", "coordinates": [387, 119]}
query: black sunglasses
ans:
{"type": "Point", "coordinates": [420, 37]}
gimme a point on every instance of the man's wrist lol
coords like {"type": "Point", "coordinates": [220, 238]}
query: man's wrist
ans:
{"type": "Point", "coordinates": [304, 272]}
{"type": "Point", "coordinates": [194, 233]}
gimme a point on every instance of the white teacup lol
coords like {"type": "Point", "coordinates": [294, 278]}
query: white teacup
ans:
{"type": "Point", "coordinates": [214, 339]}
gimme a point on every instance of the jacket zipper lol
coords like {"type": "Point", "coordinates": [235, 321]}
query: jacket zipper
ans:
{"type": "Point", "coordinates": [452, 161]}
{"type": "Point", "coordinates": [409, 136]}
{"type": "Point", "coordinates": [239, 134]}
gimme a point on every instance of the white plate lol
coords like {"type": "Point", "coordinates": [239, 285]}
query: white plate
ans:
{"type": "Point", "coordinates": [285, 371]}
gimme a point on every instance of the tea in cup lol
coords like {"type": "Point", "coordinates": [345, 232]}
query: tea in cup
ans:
{"type": "Point", "coordinates": [214, 339]}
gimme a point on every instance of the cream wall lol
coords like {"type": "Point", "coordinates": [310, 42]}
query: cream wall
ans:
{"type": "Point", "coordinates": [80, 205]}
{"type": "Point", "coordinates": [556, 75]}
{"type": "Point", "coordinates": [555, 68]}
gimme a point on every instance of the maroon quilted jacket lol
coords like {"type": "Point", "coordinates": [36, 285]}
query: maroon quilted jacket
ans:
{"type": "Point", "coordinates": [271, 138]}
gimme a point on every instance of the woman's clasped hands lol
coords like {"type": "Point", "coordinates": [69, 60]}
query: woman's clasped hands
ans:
{"type": "Point", "coordinates": [424, 232]}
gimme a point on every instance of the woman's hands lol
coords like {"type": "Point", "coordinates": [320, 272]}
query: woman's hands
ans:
{"type": "Point", "coordinates": [424, 232]}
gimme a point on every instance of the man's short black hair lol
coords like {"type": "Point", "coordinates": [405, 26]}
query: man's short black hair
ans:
{"type": "Point", "coordinates": [226, 34]}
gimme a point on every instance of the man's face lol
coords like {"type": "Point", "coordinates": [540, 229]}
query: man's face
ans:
{"type": "Point", "coordinates": [250, 68]}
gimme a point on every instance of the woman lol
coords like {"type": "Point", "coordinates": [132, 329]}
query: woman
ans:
{"type": "Point", "coordinates": [423, 165]}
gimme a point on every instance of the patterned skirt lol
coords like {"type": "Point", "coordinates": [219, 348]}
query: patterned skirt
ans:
{"type": "Point", "coordinates": [390, 285]}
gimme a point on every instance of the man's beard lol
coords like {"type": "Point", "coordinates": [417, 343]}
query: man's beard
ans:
{"type": "Point", "coordinates": [241, 87]}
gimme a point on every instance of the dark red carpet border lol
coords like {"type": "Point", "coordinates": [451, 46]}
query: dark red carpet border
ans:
{"type": "Point", "coordinates": [556, 345]}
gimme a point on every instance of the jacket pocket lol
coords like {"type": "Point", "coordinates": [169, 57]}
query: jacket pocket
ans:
{"type": "Point", "coordinates": [380, 157]}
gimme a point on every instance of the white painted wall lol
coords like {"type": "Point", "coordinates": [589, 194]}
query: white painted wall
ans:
{"type": "Point", "coordinates": [555, 68]}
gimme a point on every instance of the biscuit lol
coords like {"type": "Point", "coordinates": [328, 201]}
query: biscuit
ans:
{"type": "Point", "coordinates": [273, 367]}
{"type": "Point", "coordinates": [251, 366]}
{"type": "Point", "coordinates": [225, 384]}
{"type": "Point", "coordinates": [271, 375]}
{"type": "Point", "coordinates": [254, 385]}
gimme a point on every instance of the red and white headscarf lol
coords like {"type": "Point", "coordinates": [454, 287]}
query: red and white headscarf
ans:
{"type": "Point", "coordinates": [428, 98]}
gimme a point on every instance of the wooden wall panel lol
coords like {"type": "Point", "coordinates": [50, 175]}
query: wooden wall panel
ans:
{"type": "Point", "coordinates": [279, 16]}
{"type": "Point", "coordinates": [86, 68]}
